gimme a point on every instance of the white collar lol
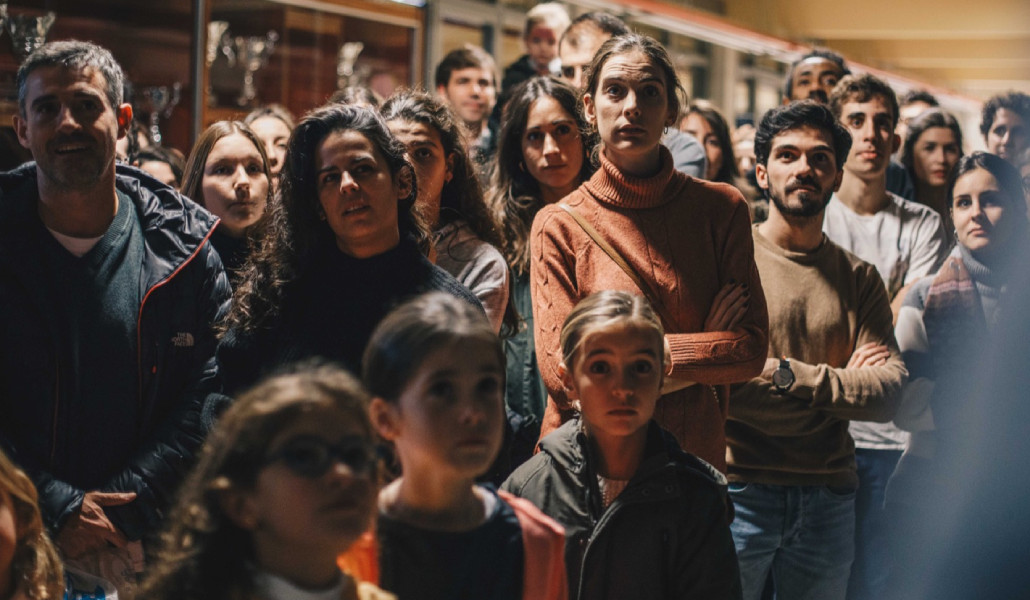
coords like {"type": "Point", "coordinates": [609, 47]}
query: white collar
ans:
{"type": "Point", "coordinates": [275, 587]}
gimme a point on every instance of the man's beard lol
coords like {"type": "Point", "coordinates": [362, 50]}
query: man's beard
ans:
{"type": "Point", "coordinates": [810, 204]}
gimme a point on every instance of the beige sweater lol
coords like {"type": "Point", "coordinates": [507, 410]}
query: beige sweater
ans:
{"type": "Point", "coordinates": [822, 306]}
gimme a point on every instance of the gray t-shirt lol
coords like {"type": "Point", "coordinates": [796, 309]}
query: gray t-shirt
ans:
{"type": "Point", "coordinates": [477, 265]}
{"type": "Point", "coordinates": [905, 241]}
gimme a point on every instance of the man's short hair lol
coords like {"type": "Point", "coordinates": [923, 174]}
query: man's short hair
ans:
{"type": "Point", "coordinates": [803, 113]}
{"type": "Point", "coordinates": [551, 15]}
{"type": "Point", "coordinates": [913, 96]}
{"type": "Point", "coordinates": [863, 88]}
{"type": "Point", "coordinates": [466, 57]}
{"type": "Point", "coordinates": [73, 54]}
{"type": "Point", "coordinates": [830, 55]}
{"type": "Point", "coordinates": [1017, 102]}
{"type": "Point", "coordinates": [590, 22]}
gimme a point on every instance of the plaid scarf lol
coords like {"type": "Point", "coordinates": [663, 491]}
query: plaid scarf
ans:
{"type": "Point", "coordinates": [957, 333]}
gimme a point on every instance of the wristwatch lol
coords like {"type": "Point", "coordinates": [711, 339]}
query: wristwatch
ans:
{"type": "Point", "coordinates": [783, 376]}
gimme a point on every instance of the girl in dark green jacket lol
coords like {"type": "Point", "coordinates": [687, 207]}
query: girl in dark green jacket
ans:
{"type": "Point", "coordinates": [643, 519]}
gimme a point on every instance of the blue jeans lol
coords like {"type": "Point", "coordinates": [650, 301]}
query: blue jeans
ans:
{"type": "Point", "coordinates": [873, 553]}
{"type": "Point", "coordinates": [804, 534]}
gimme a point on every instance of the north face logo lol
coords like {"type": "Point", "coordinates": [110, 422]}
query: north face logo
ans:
{"type": "Point", "coordinates": [183, 339]}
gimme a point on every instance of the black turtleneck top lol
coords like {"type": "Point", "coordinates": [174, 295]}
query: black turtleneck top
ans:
{"type": "Point", "coordinates": [330, 310]}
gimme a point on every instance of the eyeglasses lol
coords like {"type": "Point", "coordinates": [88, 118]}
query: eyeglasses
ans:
{"type": "Point", "coordinates": [311, 456]}
{"type": "Point", "coordinates": [1026, 182]}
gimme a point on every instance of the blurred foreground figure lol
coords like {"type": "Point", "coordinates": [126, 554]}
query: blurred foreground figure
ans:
{"type": "Point", "coordinates": [969, 441]}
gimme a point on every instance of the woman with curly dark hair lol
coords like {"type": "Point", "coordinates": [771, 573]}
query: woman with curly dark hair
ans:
{"type": "Point", "coordinates": [344, 244]}
{"type": "Point", "coordinates": [542, 155]}
{"type": "Point", "coordinates": [450, 199]}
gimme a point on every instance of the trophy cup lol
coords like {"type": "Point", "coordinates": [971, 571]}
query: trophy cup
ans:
{"type": "Point", "coordinates": [159, 101]}
{"type": "Point", "coordinates": [253, 53]}
{"type": "Point", "coordinates": [217, 39]}
{"type": "Point", "coordinates": [28, 33]}
{"type": "Point", "coordinates": [345, 59]}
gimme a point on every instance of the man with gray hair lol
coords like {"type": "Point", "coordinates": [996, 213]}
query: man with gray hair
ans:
{"type": "Point", "coordinates": [110, 291]}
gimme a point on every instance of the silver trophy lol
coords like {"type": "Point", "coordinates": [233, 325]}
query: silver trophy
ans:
{"type": "Point", "coordinates": [217, 39]}
{"type": "Point", "coordinates": [345, 59]}
{"type": "Point", "coordinates": [159, 102]}
{"type": "Point", "coordinates": [28, 33]}
{"type": "Point", "coordinates": [252, 52]}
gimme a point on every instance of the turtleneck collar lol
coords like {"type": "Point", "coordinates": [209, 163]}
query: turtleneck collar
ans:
{"type": "Point", "coordinates": [611, 186]}
{"type": "Point", "coordinates": [996, 273]}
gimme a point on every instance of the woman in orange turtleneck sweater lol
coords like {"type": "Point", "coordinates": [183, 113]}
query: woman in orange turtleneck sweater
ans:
{"type": "Point", "coordinates": [688, 239]}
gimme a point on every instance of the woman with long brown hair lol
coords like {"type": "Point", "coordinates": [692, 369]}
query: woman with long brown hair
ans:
{"type": "Point", "coordinates": [542, 156]}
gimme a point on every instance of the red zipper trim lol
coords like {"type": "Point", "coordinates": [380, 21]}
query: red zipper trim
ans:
{"type": "Point", "coordinates": [57, 407]}
{"type": "Point", "coordinates": [139, 317]}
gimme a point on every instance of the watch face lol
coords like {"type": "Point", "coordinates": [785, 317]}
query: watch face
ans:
{"type": "Point", "coordinates": [782, 378]}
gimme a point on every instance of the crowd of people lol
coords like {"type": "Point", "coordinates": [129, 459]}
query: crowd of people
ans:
{"type": "Point", "coordinates": [569, 336]}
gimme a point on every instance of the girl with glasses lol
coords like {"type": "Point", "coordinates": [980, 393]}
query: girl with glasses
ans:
{"type": "Point", "coordinates": [286, 482]}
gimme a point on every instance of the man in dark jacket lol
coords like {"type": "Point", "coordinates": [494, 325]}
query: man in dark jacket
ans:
{"type": "Point", "coordinates": [109, 291]}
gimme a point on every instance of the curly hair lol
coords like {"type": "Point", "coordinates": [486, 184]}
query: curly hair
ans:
{"type": "Point", "coordinates": [462, 197]}
{"type": "Point", "coordinates": [203, 554]}
{"type": "Point", "coordinates": [514, 193]}
{"type": "Point", "coordinates": [295, 227]}
{"type": "Point", "coordinates": [36, 568]}
{"type": "Point", "coordinates": [830, 55]}
{"type": "Point", "coordinates": [1016, 102]}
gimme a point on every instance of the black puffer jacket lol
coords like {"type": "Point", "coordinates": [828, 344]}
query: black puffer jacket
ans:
{"type": "Point", "coordinates": [664, 537]}
{"type": "Point", "coordinates": [184, 292]}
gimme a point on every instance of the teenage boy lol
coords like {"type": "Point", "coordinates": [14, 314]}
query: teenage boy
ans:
{"type": "Point", "coordinates": [905, 241]}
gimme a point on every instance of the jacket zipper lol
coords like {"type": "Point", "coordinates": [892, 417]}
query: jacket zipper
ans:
{"type": "Point", "coordinates": [143, 302]}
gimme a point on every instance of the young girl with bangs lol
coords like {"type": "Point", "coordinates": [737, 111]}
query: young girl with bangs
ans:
{"type": "Point", "coordinates": [435, 369]}
{"type": "Point", "coordinates": [643, 518]}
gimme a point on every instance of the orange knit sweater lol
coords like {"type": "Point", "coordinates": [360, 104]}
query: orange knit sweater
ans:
{"type": "Point", "coordinates": [688, 238]}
